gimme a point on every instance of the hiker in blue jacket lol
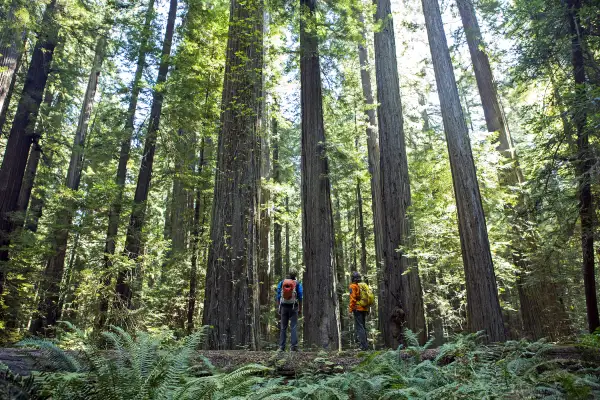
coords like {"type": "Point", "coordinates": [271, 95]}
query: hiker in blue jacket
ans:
{"type": "Point", "coordinates": [289, 307]}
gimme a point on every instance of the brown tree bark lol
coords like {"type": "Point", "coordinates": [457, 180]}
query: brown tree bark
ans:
{"type": "Point", "coordinates": [197, 229]}
{"type": "Point", "coordinates": [13, 81]}
{"type": "Point", "coordinates": [12, 41]}
{"type": "Point", "coordinates": [483, 306]}
{"type": "Point", "coordinates": [321, 321]}
{"type": "Point", "coordinates": [133, 242]}
{"type": "Point", "coordinates": [584, 164]}
{"type": "Point", "coordinates": [400, 285]}
{"type": "Point", "coordinates": [48, 312]}
{"type": "Point", "coordinates": [372, 145]}
{"type": "Point", "coordinates": [361, 231]}
{"type": "Point", "coordinates": [231, 281]}
{"type": "Point", "coordinates": [539, 306]}
{"type": "Point", "coordinates": [116, 206]}
{"type": "Point", "coordinates": [264, 266]}
{"type": "Point", "coordinates": [22, 132]}
{"type": "Point", "coordinates": [287, 237]}
{"type": "Point", "coordinates": [277, 228]}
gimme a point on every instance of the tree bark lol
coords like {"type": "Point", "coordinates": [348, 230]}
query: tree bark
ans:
{"type": "Point", "coordinates": [48, 307]}
{"type": "Point", "coordinates": [277, 229]}
{"type": "Point", "coordinates": [264, 270]}
{"type": "Point", "coordinates": [231, 281]}
{"type": "Point", "coordinates": [11, 51]}
{"type": "Point", "coordinates": [361, 232]}
{"type": "Point", "coordinates": [584, 164]}
{"type": "Point", "coordinates": [11, 85]}
{"type": "Point", "coordinates": [196, 233]}
{"type": "Point", "coordinates": [540, 309]}
{"type": "Point", "coordinates": [133, 242]}
{"type": "Point", "coordinates": [400, 285]}
{"type": "Point", "coordinates": [287, 236]}
{"type": "Point", "coordinates": [321, 321]}
{"type": "Point", "coordinates": [340, 264]}
{"type": "Point", "coordinates": [372, 146]}
{"type": "Point", "coordinates": [116, 206]}
{"type": "Point", "coordinates": [22, 132]}
{"type": "Point", "coordinates": [483, 306]}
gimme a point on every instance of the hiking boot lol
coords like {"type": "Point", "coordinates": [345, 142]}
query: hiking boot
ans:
{"type": "Point", "coordinates": [295, 348]}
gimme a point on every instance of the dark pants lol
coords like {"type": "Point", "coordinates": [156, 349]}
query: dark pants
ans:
{"type": "Point", "coordinates": [289, 313]}
{"type": "Point", "coordinates": [360, 328]}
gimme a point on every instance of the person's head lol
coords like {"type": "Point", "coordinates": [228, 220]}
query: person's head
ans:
{"type": "Point", "coordinates": [292, 274]}
{"type": "Point", "coordinates": [355, 277]}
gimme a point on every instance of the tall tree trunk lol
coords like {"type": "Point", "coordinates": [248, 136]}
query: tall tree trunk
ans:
{"type": "Point", "coordinates": [264, 270]}
{"type": "Point", "coordinates": [361, 231]}
{"type": "Point", "coordinates": [400, 285]}
{"type": "Point", "coordinates": [277, 229]}
{"type": "Point", "coordinates": [22, 132]}
{"type": "Point", "coordinates": [584, 164]}
{"type": "Point", "coordinates": [116, 206]}
{"type": "Point", "coordinates": [35, 154]}
{"type": "Point", "coordinates": [321, 321]}
{"type": "Point", "coordinates": [231, 281]}
{"type": "Point", "coordinates": [48, 306]}
{"type": "Point", "coordinates": [196, 233]}
{"type": "Point", "coordinates": [5, 103]}
{"type": "Point", "coordinates": [339, 259]}
{"type": "Point", "coordinates": [483, 306]}
{"type": "Point", "coordinates": [372, 145]}
{"type": "Point", "coordinates": [540, 308]}
{"type": "Point", "coordinates": [11, 51]}
{"type": "Point", "coordinates": [133, 242]}
{"type": "Point", "coordinates": [287, 236]}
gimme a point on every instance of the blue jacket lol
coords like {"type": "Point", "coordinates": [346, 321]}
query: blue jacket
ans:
{"type": "Point", "coordinates": [298, 291]}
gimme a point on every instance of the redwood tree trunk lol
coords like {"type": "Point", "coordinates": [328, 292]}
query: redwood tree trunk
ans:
{"type": "Point", "coordinates": [133, 242]}
{"type": "Point", "coordinates": [11, 51]}
{"type": "Point", "coordinates": [230, 290]}
{"type": "Point", "coordinates": [584, 165]}
{"type": "Point", "coordinates": [116, 206]}
{"type": "Point", "coordinates": [361, 231]}
{"type": "Point", "coordinates": [287, 237]}
{"type": "Point", "coordinates": [13, 80]}
{"type": "Point", "coordinates": [372, 146]}
{"type": "Point", "coordinates": [321, 322]}
{"type": "Point", "coordinates": [483, 307]}
{"type": "Point", "coordinates": [48, 306]}
{"type": "Point", "coordinates": [196, 233]}
{"type": "Point", "coordinates": [400, 285]}
{"type": "Point", "coordinates": [22, 132]}
{"type": "Point", "coordinates": [264, 270]}
{"type": "Point", "coordinates": [277, 229]}
{"type": "Point", "coordinates": [539, 305]}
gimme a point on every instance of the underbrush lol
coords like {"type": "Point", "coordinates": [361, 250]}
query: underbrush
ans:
{"type": "Point", "coordinates": [147, 366]}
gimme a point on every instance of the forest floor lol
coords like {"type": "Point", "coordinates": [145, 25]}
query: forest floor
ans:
{"type": "Point", "coordinates": [23, 361]}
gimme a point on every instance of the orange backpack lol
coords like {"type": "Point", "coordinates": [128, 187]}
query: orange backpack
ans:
{"type": "Point", "coordinates": [288, 291]}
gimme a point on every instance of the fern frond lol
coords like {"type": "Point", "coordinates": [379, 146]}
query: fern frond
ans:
{"type": "Point", "coordinates": [59, 358]}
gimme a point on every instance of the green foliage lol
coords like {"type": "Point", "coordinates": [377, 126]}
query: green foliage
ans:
{"type": "Point", "coordinates": [147, 366]}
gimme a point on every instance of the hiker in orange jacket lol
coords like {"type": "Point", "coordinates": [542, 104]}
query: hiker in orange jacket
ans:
{"type": "Point", "coordinates": [360, 312]}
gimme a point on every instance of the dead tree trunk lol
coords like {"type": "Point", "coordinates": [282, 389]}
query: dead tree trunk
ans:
{"type": "Point", "coordinates": [22, 132]}
{"type": "Point", "coordinates": [231, 281]}
{"type": "Point", "coordinates": [48, 306]}
{"type": "Point", "coordinates": [116, 206]}
{"type": "Point", "coordinates": [584, 164]}
{"type": "Point", "coordinates": [400, 285]}
{"type": "Point", "coordinates": [133, 242]}
{"type": "Point", "coordinates": [483, 307]}
{"type": "Point", "coordinates": [321, 322]}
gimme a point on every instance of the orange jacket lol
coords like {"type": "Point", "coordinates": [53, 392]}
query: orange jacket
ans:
{"type": "Point", "coordinates": [355, 298]}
